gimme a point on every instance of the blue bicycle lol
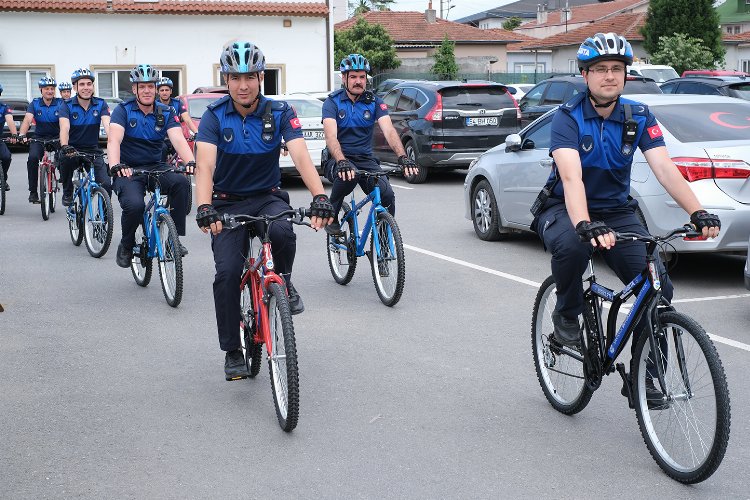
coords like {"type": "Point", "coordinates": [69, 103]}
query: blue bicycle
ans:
{"type": "Point", "coordinates": [90, 213]}
{"type": "Point", "coordinates": [157, 237]}
{"type": "Point", "coordinates": [386, 252]}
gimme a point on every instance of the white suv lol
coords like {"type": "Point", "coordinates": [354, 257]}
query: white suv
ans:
{"type": "Point", "coordinates": [660, 73]}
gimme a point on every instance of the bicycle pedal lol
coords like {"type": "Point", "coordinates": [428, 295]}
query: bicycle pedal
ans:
{"type": "Point", "coordinates": [237, 378]}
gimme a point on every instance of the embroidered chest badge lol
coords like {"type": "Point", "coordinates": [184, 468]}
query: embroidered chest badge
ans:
{"type": "Point", "coordinates": [587, 143]}
{"type": "Point", "coordinates": [95, 113]}
{"type": "Point", "coordinates": [368, 115]}
{"type": "Point", "coordinates": [133, 122]}
{"type": "Point", "coordinates": [227, 134]}
{"type": "Point", "coordinates": [75, 115]}
{"type": "Point", "coordinates": [342, 114]}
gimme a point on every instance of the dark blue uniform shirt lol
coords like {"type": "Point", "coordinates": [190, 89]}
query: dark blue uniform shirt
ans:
{"type": "Point", "coordinates": [4, 111]}
{"type": "Point", "coordinates": [144, 139]}
{"type": "Point", "coordinates": [84, 123]}
{"type": "Point", "coordinates": [245, 163]}
{"type": "Point", "coordinates": [355, 121]}
{"type": "Point", "coordinates": [176, 106]}
{"type": "Point", "coordinates": [606, 162]}
{"type": "Point", "coordinates": [47, 118]}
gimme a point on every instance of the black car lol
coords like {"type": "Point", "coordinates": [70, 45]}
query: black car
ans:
{"type": "Point", "coordinates": [386, 85]}
{"type": "Point", "coordinates": [18, 108]}
{"type": "Point", "coordinates": [731, 86]}
{"type": "Point", "coordinates": [447, 124]}
{"type": "Point", "coordinates": [559, 89]}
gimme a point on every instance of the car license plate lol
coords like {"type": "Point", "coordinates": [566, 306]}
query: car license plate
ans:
{"type": "Point", "coordinates": [18, 123]}
{"type": "Point", "coordinates": [481, 122]}
{"type": "Point", "coordinates": [313, 134]}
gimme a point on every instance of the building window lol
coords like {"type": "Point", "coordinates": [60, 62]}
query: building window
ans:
{"type": "Point", "coordinates": [22, 83]}
{"type": "Point", "coordinates": [115, 82]}
{"type": "Point", "coordinates": [736, 30]}
{"type": "Point", "coordinates": [745, 64]}
{"type": "Point", "coordinates": [528, 68]}
{"type": "Point", "coordinates": [572, 66]}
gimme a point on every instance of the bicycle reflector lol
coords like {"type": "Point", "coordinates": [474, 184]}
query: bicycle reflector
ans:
{"type": "Point", "coordinates": [695, 169]}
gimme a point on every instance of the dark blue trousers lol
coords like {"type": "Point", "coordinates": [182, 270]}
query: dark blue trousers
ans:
{"type": "Point", "coordinates": [5, 158]}
{"type": "Point", "coordinates": [68, 166]}
{"type": "Point", "coordinates": [342, 188]}
{"type": "Point", "coordinates": [230, 248]}
{"type": "Point", "coordinates": [130, 193]}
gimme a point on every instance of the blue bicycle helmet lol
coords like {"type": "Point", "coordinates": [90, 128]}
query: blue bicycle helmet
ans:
{"type": "Point", "coordinates": [604, 47]}
{"type": "Point", "coordinates": [354, 62]}
{"type": "Point", "coordinates": [242, 57]}
{"type": "Point", "coordinates": [64, 86]}
{"type": "Point", "coordinates": [165, 81]}
{"type": "Point", "coordinates": [81, 73]}
{"type": "Point", "coordinates": [47, 82]}
{"type": "Point", "coordinates": [144, 73]}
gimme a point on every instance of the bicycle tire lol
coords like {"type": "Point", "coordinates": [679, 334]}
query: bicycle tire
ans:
{"type": "Point", "coordinates": [682, 407]}
{"type": "Point", "coordinates": [75, 222]}
{"type": "Point", "coordinates": [391, 248]}
{"type": "Point", "coordinates": [342, 269]}
{"type": "Point", "coordinates": [54, 185]}
{"type": "Point", "coordinates": [2, 191]}
{"type": "Point", "coordinates": [141, 267]}
{"type": "Point", "coordinates": [282, 362]}
{"type": "Point", "coordinates": [44, 191]}
{"type": "Point", "coordinates": [170, 264]}
{"type": "Point", "coordinates": [253, 350]}
{"type": "Point", "coordinates": [570, 395]}
{"type": "Point", "coordinates": [190, 196]}
{"type": "Point", "coordinates": [98, 231]}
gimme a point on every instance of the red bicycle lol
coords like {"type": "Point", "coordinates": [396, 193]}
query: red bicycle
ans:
{"type": "Point", "coordinates": [266, 318]}
{"type": "Point", "coordinates": [48, 182]}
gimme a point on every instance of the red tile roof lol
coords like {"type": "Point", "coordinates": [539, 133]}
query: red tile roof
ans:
{"type": "Point", "coordinates": [627, 25]}
{"type": "Point", "coordinates": [221, 7]}
{"type": "Point", "coordinates": [588, 13]}
{"type": "Point", "coordinates": [413, 28]}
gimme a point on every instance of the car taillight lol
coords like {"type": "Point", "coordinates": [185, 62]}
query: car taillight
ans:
{"type": "Point", "coordinates": [695, 169]}
{"type": "Point", "coordinates": [436, 113]}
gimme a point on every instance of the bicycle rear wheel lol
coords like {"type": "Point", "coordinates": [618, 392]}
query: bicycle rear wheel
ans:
{"type": "Point", "coordinates": [75, 219]}
{"type": "Point", "coordinates": [560, 375]}
{"type": "Point", "coordinates": [190, 195]}
{"type": "Point", "coordinates": [142, 265]}
{"type": "Point", "coordinates": [54, 188]}
{"type": "Point", "coordinates": [387, 261]}
{"type": "Point", "coordinates": [2, 191]}
{"type": "Point", "coordinates": [685, 425]}
{"type": "Point", "coordinates": [342, 251]}
{"type": "Point", "coordinates": [44, 199]}
{"type": "Point", "coordinates": [98, 222]}
{"type": "Point", "coordinates": [248, 328]}
{"type": "Point", "coordinates": [282, 361]}
{"type": "Point", "coordinates": [170, 262]}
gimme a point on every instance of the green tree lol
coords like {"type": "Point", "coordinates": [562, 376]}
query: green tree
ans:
{"type": "Point", "coordinates": [358, 7]}
{"type": "Point", "coordinates": [512, 23]}
{"type": "Point", "coordinates": [370, 40]}
{"type": "Point", "coordinates": [445, 66]}
{"type": "Point", "coordinates": [695, 18]}
{"type": "Point", "coordinates": [683, 52]}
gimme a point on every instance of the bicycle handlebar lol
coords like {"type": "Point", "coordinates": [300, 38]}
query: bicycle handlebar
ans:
{"type": "Point", "coordinates": [295, 215]}
{"type": "Point", "coordinates": [162, 168]}
{"type": "Point", "coordinates": [688, 231]}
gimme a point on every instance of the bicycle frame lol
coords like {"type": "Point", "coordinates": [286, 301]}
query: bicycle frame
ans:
{"type": "Point", "coordinates": [88, 183]}
{"type": "Point", "coordinates": [360, 239]}
{"type": "Point", "coordinates": [154, 208]}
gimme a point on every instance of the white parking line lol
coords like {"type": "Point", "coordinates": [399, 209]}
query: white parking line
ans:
{"type": "Point", "coordinates": [624, 309]}
{"type": "Point", "coordinates": [400, 187]}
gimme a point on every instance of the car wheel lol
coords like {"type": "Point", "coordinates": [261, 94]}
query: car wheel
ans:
{"type": "Point", "coordinates": [411, 152]}
{"type": "Point", "coordinates": [485, 213]}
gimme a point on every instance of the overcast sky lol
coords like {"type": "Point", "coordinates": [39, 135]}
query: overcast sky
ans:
{"type": "Point", "coordinates": [462, 8]}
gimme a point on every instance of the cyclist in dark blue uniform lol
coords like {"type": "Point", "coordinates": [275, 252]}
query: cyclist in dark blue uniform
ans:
{"type": "Point", "coordinates": [349, 117]}
{"type": "Point", "coordinates": [80, 120]}
{"type": "Point", "coordinates": [45, 112]}
{"type": "Point", "coordinates": [5, 156]}
{"type": "Point", "coordinates": [165, 88]}
{"type": "Point", "coordinates": [65, 89]}
{"type": "Point", "coordinates": [238, 172]}
{"type": "Point", "coordinates": [135, 139]}
{"type": "Point", "coordinates": [594, 136]}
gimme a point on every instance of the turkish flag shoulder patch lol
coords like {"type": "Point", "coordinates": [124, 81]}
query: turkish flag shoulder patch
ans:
{"type": "Point", "coordinates": [295, 123]}
{"type": "Point", "coordinates": [654, 132]}
{"type": "Point", "coordinates": [383, 106]}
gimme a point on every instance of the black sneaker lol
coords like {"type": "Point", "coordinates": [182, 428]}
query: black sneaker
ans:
{"type": "Point", "coordinates": [124, 256]}
{"type": "Point", "coordinates": [34, 197]}
{"type": "Point", "coordinates": [654, 397]}
{"type": "Point", "coordinates": [296, 305]}
{"type": "Point", "coordinates": [334, 229]}
{"type": "Point", "coordinates": [235, 367]}
{"type": "Point", "coordinates": [567, 331]}
{"type": "Point", "coordinates": [67, 199]}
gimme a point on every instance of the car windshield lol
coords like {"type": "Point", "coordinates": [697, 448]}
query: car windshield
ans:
{"type": "Point", "coordinates": [741, 91]}
{"type": "Point", "coordinates": [468, 97]}
{"type": "Point", "coordinates": [641, 87]}
{"type": "Point", "coordinates": [197, 106]}
{"type": "Point", "coordinates": [660, 75]}
{"type": "Point", "coordinates": [306, 108]}
{"type": "Point", "coordinates": [705, 122]}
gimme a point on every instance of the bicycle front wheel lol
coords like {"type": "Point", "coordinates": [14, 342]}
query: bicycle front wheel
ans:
{"type": "Point", "coordinates": [686, 424]}
{"type": "Point", "coordinates": [2, 191]}
{"type": "Point", "coordinates": [248, 329]}
{"type": "Point", "coordinates": [53, 189]}
{"type": "Point", "coordinates": [98, 222]}
{"type": "Point", "coordinates": [44, 191]}
{"type": "Point", "coordinates": [170, 262]}
{"type": "Point", "coordinates": [342, 251]}
{"type": "Point", "coordinates": [142, 265]}
{"type": "Point", "coordinates": [560, 375]}
{"type": "Point", "coordinates": [387, 259]}
{"type": "Point", "coordinates": [282, 362]}
{"type": "Point", "coordinates": [75, 220]}
{"type": "Point", "coordinates": [190, 195]}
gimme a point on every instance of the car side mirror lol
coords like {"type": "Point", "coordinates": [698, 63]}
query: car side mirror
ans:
{"type": "Point", "coordinates": [528, 144]}
{"type": "Point", "coordinates": [512, 143]}
{"type": "Point", "coordinates": [512, 90]}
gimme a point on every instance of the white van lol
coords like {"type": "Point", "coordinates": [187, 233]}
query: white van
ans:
{"type": "Point", "coordinates": [660, 73]}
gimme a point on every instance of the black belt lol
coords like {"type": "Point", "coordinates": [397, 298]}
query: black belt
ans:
{"type": "Point", "coordinates": [236, 197]}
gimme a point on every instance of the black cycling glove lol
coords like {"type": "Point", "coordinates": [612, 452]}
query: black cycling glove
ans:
{"type": "Point", "coordinates": [206, 215]}
{"type": "Point", "coordinates": [344, 167]}
{"type": "Point", "coordinates": [588, 231]}
{"type": "Point", "coordinates": [52, 146]}
{"type": "Point", "coordinates": [189, 167]}
{"type": "Point", "coordinates": [68, 150]}
{"type": "Point", "coordinates": [321, 207]}
{"type": "Point", "coordinates": [701, 219]}
{"type": "Point", "coordinates": [114, 170]}
{"type": "Point", "coordinates": [406, 162]}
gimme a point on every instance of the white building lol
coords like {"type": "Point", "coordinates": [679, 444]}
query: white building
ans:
{"type": "Point", "coordinates": [181, 38]}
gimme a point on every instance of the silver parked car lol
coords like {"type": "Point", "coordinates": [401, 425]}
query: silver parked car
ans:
{"type": "Point", "coordinates": [708, 137]}
{"type": "Point", "coordinates": [310, 113]}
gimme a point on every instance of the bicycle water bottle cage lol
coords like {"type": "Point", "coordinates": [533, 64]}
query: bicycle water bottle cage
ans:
{"type": "Point", "coordinates": [269, 125]}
